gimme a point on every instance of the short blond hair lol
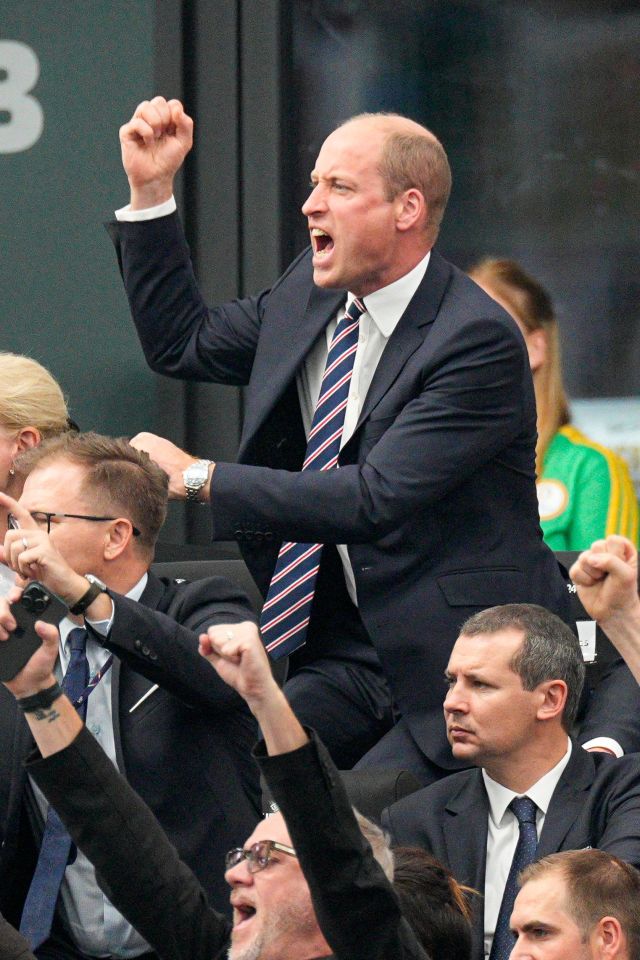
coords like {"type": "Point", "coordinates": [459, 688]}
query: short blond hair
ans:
{"type": "Point", "coordinates": [30, 397]}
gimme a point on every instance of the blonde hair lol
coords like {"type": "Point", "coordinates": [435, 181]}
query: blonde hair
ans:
{"type": "Point", "coordinates": [527, 300]}
{"type": "Point", "coordinates": [30, 397]}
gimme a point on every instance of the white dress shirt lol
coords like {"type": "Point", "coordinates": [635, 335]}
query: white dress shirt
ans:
{"type": "Point", "coordinates": [95, 925]}
{"type": "Point", "coordinates": [503, 834]}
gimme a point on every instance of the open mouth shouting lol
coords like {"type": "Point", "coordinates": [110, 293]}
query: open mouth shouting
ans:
{"type": "Point", "coordinates": [321, 242]}
{"type": "Point", "coordinates": [243, 914]}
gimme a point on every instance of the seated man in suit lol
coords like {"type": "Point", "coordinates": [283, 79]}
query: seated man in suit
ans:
{"type": "Point", "coordinates": [515, 676]}
{"type": "Point", "coordinates": [86, 526]}
{"type": "Point", "coordinates": [581, 904]}
{"type": "Point", "coordinates": [606, 576]}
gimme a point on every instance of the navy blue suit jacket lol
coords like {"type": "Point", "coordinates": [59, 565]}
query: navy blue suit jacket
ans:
{"type": "Point", "coordinates": [435, 495]}
{"type": "Point", "coordinates": [596, 804]}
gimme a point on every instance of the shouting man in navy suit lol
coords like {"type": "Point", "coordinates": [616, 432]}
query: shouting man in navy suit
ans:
{"type": "Point", "coordinates": [416, 505]}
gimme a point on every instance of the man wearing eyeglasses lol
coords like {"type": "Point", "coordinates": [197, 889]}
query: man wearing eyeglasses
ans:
{"type": "Point", "coordinates": [310, 887]}
{"type": "Point", "coordinates": [86, 526]}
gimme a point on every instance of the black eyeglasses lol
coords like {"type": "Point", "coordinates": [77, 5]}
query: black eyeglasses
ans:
{"type": "Point", "coordinates": [258, 856]}
{"type": "Point", "coordinates": [41, 517]}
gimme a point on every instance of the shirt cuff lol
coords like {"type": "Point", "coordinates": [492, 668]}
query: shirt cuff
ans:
{"type": "Point", "coordinates": [607, 743]}
{"type": "Point", "coordinates": [102, 626]}
{"type": "Point", "coordinates": [148, 213]}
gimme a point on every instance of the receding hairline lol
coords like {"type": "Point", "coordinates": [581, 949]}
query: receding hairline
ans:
{"type": "Point", "coordinates": [390, 124]}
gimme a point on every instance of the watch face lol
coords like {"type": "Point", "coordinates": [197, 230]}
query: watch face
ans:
{"type": "Point", "coordinates": [195, 475]}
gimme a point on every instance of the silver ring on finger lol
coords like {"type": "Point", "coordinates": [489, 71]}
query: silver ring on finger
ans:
{"type": "Point", "coordinates": [229, 634]}
{"type": "Point", "coordinates": [24, 543]}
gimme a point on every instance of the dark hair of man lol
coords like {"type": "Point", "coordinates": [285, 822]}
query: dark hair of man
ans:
{"type": "Point", "coordinates": [414, 160]}
{"type": "Point", "coordinates": [549, 650]}
{"type": "Point", "coordinates": [120, 480]}
{"type": "Point", "coordinates": [433, 903]}
{"type": "Point", "coordinates": [598, 885]}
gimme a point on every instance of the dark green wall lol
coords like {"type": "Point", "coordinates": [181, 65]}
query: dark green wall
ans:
{"type": "Point", "coordinates": [61, 295]}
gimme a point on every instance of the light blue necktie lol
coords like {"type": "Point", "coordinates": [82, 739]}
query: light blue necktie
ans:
{"type": "Point", "coordinates": [40, 903]}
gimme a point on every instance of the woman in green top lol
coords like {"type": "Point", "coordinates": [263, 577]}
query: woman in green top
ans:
{"type": "Point", "coordinates": [584, 489]}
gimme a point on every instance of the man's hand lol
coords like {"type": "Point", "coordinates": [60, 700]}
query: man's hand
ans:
{"type": "Point", "coordinates": [172, 460]}
{"type": "Point", "coordinates": [30, 552]}
{"type": "Point", "coordinates": [37, 674]}
{"type": "Point", "coordinates": [606, 576]}
{"type": "Point", "coordinates": [154, 144]}
{"type": "Point", "coordinates": [236, 652]}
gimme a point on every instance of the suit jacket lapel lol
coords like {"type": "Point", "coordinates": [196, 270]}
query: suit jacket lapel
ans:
{"type": "Point", "coordinates": [151, 596]}
{"type": "Point", "coordinates": [567, 801]}
{"type": "Point", "coordinates": [465, 834]}
{"type": "Point", "coordinates": [410, 331]}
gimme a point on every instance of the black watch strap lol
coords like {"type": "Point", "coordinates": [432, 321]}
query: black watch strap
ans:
{"type": "Point", "coordinates": [86, 599]}
{"type": "Point", "coordinates": [41, 700]}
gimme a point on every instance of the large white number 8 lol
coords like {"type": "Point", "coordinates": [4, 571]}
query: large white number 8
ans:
{"type": "Point", "coordinates": [19, 71]}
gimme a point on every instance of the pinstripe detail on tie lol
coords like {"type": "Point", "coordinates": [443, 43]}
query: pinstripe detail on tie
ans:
{"type": "Point", "coordinates": [286, 612]}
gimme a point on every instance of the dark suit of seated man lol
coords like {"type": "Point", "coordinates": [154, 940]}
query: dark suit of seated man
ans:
{"type": "Point", "coordinates": [92, 505]}
{"type": "Point", "coordinates": [307, 884]}
{"type": "Point", "coordinates": [515, 676]}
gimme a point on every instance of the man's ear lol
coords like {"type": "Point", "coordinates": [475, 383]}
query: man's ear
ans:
{"type": "Point", "coordinates": [411, 209]}
{"type": "Point", "coordinates": [554, 698]}
{"type": "Point", "coordinates": [119, 535]}
{"type": "Point", "coordinates": [607, 939]}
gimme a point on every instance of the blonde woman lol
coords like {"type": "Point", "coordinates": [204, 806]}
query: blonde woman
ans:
{"type": "Point", "coordinates": [32, 407]}
{"type": "Point", "coordinates": [584, 489]}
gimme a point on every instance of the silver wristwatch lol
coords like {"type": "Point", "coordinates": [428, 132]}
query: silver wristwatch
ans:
{"type": "Point", "coordinates": [195, 477]}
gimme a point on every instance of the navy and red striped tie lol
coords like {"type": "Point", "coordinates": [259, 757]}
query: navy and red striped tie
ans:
{"type": "Point", "coordinates": [286, 612]}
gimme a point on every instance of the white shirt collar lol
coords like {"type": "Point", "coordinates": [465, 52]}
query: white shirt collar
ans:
{"type": "Point", "coordinates": [541, 792]}
{"type": "Point", "coordinates": [386, 305]}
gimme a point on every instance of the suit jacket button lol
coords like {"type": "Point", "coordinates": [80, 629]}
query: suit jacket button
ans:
{"type": "Point", "coordinates": [146, 651]}
{"type": "Point", "coordinates": [268, 535]}
{"type": "Point", "coordinates": [137, 644]}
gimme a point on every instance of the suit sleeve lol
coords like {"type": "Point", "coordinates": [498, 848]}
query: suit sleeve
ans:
{"type": "Point", "coordinates": [469, 409]}
{"type": "Point", "coordinates": [181, 337]}
{"type": "Point", "coordinates": [619, 808]}
{"type": "Point", "coordinates": [355, 904]}
{"type": "Point", "coordinates": [137, 867]}
{"type": "Point", "coordinates": [165, 648]}
{"type": "Point", "coordinates": [613, 709]}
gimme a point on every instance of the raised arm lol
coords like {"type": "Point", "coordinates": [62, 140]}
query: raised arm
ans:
{"type": "Point", "coordinates": [136, 865]}
{"type": "Point", "coordinates": [154, 144]}
{"type": "Point", "coordinates": [356, 907]}
{"type": "Point", "coordinates": [606, 576]}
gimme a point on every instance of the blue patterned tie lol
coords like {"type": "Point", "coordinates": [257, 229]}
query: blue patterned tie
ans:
{"type": "Point", "coordinates": [286, 612]}
{"type": "Point", "coordinates": [525, 810]}
{"type": "Point", "coordinates": [40, 903]}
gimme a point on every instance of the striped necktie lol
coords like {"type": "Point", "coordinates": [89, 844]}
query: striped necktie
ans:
{"type": "Point", "coordinates": [286, 612]}
{"type": "Point", "coordinates": [525, 810]}
{"type": "Point", "coordinates": [40, 903]}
